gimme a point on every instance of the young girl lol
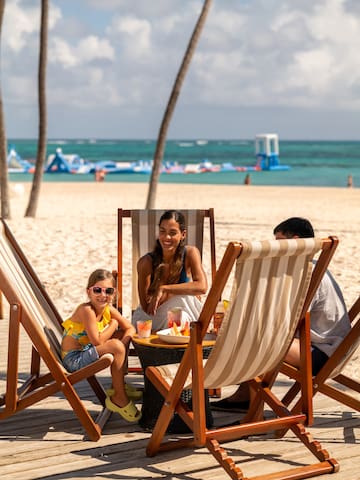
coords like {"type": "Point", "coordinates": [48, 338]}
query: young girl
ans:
{"type": "Point", "coordinates": [96, 328]}
{"type": "Point", "coordinates": [171, 275]}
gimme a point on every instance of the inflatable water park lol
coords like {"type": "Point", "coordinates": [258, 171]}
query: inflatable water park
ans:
{"type": "Point", "coordinates": [267, 152]}
{"type": "Point", "coordinates": [16, 164]}
{"type": "Point", "coordinates": [70, 163]}
{"type": "Point", "coordinates": [266, 156]}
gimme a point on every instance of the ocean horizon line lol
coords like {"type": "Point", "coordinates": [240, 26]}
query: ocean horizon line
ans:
{"type": "Point", "coordinates": [177, 139]}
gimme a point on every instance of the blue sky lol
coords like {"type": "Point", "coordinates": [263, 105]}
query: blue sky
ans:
{"type": "Point", "coordinates": [285, 66]}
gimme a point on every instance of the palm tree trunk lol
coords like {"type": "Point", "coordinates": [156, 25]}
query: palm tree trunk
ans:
{"type": "Point", "coordinates": [161, 141]}
{"type": "Point", "coordinates": [4, 180]}
{"type": "Point", "coordinates": [42, 137]}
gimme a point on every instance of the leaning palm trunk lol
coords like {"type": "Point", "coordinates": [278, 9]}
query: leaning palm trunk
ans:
{"type": "Point", "coordinates": [4, 181]}
{"type": "Point", "coordinates": [160, 146]}
{"type": "Point", "coordinates": [41, 150]}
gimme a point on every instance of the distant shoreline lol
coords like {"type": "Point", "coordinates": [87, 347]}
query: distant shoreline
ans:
{"type": "Point", "coordinates": [182, 179]}
{"type": "Point", "coordinates": [58, 140]}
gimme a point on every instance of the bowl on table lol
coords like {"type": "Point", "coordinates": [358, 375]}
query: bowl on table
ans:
{"type": "Point", "coordinates": [167, 336]}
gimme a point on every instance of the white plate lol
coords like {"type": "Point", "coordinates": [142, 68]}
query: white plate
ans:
{"type": "Point", "coordinates": [165, 336]}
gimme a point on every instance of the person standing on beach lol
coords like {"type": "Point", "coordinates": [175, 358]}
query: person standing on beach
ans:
{"type": "Point", "coordinates": [329, 320]}
{"type": "Point", "coordinates": [170, 276]}
{"type": "Point", "coordinates": [96, 328]}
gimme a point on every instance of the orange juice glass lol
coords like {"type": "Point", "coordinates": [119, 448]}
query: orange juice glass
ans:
{"type": "Point", "coordinates": [144, 328]}
{"type": "Point", "coordinates": [174, 316]}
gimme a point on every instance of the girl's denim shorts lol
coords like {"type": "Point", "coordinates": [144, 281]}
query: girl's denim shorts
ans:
{"type": "Point", "coordinates": [77, 359]}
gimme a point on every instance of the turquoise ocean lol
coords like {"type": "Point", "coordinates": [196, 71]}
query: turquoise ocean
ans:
{"type": "Point", "coordinates": [312, 163]}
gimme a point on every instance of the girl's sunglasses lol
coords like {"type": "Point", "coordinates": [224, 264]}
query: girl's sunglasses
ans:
{"type": "Point", "coordinates": [99, 290]}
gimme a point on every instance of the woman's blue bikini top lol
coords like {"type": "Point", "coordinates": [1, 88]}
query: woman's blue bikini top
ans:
{"type": "Point", "coordinates": [183, 276]}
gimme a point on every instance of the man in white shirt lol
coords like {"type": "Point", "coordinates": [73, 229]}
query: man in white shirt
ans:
{"type": "Point", "coordinates": [328, 318]}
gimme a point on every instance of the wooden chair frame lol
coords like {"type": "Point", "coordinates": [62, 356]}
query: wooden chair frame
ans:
{"type": "Point", "coordinates": [260, 385]}
{"type": "Point", "coordinates": [32, 308]}
{"type": "Point", "coordinates": [328, 380]}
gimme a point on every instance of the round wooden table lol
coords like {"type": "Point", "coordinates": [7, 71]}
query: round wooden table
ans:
{"type": "Point", "coordinates": [152, 352]}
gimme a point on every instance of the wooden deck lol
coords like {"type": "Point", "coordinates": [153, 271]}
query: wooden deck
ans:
{"type": "Point", "coordinates": [47, 442]}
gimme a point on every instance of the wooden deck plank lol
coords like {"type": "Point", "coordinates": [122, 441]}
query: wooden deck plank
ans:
{"type": "Point", "coordinates": [35, 455]}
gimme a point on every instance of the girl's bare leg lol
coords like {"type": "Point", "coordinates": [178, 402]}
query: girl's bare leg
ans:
{"type": "Point", "coordinates": [118, 349]}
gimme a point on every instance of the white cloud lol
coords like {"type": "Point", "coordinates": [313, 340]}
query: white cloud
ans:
{"type": "Point", "coordinates": [312, 70]}
{"type": "Point", "coordinates": [92, 48]}
{"type": "Point", "coordinates": [61, 52]}
{"type": "Point", "coordinates": [21, 22]}
{"type": "Point", "coordinates": [87, 91]}
{"type": "Point", "coordinates": [88, 49]}
{"type": "Point", "coordinates": [298, 54]}
{"type": "Point", "coordinates": [301, 53]}
{"type": "Point", "coordinates": [325, 64]}
{"type": "Point", "coordinates": [133, 33]}
{"type": "Point", "coordinates": [18, 25]}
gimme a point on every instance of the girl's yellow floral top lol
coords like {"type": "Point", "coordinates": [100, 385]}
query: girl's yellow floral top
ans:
{"type": "Point", "coordinates": [77, 330]}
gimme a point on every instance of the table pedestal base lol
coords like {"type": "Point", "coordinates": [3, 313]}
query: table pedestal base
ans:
{"type": "Point", "coordinates": [153, 400]}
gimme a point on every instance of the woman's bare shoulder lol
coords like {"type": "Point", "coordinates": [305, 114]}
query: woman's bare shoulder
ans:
{"type": "Point", "coordinates": [145, 260]}
{"type": "Point", "coordinates": [191, 250]}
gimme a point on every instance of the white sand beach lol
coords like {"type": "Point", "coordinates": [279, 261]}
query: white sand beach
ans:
{"type": "Point", "coordinates": [75, 230]}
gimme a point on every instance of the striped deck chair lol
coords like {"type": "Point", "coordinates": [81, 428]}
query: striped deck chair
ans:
{"type": "Point", "coordinates": [144, 231]}
{"type": "Point", "coordinates": [32, 309]}
{"type": "Point", "coordinates": [330, 380]}
{"type": "Point", "coordinates": [141, 237]}
{"type": "Point", "coordinates": [272, 289]}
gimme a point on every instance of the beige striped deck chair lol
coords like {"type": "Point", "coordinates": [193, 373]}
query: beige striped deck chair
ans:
{"type": "Point", "coordinates": [32, 309]}
{"type": "Point", "coordinates": [144, 232]}
{"type": "Point", "coordinates": [272, 288]}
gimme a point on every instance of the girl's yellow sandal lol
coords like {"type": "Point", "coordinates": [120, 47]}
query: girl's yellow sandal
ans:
{"type": "Point", "coordinates": [131, 392]}
{"type": "Point", "coordinates": [129, 413]}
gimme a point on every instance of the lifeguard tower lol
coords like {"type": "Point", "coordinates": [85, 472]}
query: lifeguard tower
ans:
{"type": "Point", "coordinates": [267, 152]}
